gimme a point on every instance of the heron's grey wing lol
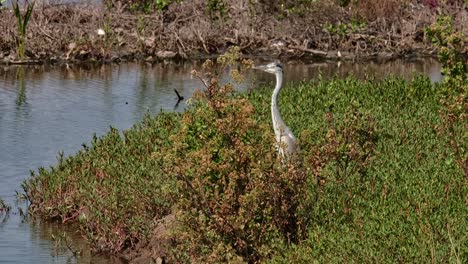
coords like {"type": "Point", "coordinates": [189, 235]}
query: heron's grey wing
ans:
{"type": "Point", "coordinates": [288, 143]}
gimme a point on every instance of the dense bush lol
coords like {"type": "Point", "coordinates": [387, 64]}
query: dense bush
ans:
{"type": "Point", "coordinates": [235, 198]}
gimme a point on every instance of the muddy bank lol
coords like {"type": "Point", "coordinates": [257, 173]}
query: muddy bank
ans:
{"type": "Point", "coordinates": [69, 33]}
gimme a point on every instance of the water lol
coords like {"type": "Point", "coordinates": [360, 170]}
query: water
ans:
{"type": "Point", "coordinates": [44, 110]}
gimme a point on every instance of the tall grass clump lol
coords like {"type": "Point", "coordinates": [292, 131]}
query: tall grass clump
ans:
{"type": "Point", "coordinates": [22, 21]}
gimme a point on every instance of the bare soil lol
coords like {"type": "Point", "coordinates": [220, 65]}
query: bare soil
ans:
{"type": "Point", "coordinates": [68, 33]}
{"type": "Point", "coordinates": [155, 249]}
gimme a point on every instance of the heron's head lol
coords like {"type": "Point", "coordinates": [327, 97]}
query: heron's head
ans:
{"type": "Point", "coordinates": [273, 67]}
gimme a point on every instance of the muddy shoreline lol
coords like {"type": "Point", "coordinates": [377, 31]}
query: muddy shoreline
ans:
{"type": "Point", "coordinates": [69, 34]}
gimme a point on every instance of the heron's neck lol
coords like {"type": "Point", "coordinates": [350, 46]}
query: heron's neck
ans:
{"type": "Point", "coordinates": [275, 114]}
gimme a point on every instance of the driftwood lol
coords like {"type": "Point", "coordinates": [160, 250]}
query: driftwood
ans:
{"type": "Point", "coordinates": [311, 51]}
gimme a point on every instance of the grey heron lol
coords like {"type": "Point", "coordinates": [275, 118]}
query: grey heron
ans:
{"type": "Point", "coordinates": [286, 143]}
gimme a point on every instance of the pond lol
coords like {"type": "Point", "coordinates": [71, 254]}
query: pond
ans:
{"type": "Point", "coordinates": [48, 109]}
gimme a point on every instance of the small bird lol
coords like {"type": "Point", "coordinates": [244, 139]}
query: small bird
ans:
{"type": "Point", "coordinates": [100, 32]}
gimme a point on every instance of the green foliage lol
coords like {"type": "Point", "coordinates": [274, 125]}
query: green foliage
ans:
{"type": "Point", "coordinates": [110, 39]}
{"type": "Point", "coordinates": [402, 199]}
{"type": "Point", "coordinates": [63, 241]}
{"type": "Point", "coordinates": [145, 6]}
{"type": "Point", "coordinates": [378, 179]}
{"type": "Point", "coordinates": [22, 21]}
{"type": "Point", "coordinates": [113, 188]}
{"type": "Point", "coordinates": [343, 29]}
{"type": "Point", "coordinates": [283, 8]}
{"type": "Point", "coordinates": [344, 2]}
{"type": "Point", "coordinates": [142, 24]}
{"type": "Point", "coordinates": [347, 149]}
{"type": "Point", "coordinates": [217, 9]}
{"type": "Point", "coordinates": [453, 129]}
{"type": "Point", "coordinates": [450, 45]}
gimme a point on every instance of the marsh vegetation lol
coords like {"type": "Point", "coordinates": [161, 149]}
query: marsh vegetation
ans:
{"type": "Point", "coordinates": [382, 170]}
{"type": "Point", "coordinates": [381, 176]}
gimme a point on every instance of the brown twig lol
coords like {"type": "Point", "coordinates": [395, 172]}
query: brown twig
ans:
{"type": "Point", "coordinates": [312, 51]}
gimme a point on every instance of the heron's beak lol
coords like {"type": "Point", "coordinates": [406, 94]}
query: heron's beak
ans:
{"type": "Point", "coordinates": [260, 67]}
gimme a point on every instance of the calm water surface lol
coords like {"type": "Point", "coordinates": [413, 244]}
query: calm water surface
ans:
{"type": "Point", "coordinates": [45, 109]}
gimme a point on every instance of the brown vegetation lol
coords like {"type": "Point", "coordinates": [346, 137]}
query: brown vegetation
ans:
{"type": "Point", "coordinates": [362, 29]}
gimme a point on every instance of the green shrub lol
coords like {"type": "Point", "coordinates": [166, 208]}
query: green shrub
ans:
{"type": "Point", "coordinates": [235, 200]}
{"type": "Point", "coordinates": [450, 45]}
{"type": "Point", "coordinates": [113, 188]}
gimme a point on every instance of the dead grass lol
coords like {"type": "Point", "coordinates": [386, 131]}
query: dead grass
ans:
{"type": "Point", "coordinates": [373, 10]}
{"type": "Point", "coordinates": [392, 27]}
